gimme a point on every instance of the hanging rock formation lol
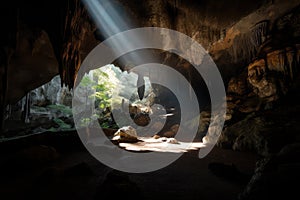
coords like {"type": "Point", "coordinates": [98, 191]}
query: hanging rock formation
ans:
{"type": "Point", "coordinates": [260, 39]}
{"type": "Point", "coordinates": [32, 64]}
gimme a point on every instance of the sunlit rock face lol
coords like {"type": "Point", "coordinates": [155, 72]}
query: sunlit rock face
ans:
{"type": "Point", "coordinates": [51, 93]}
{"type": "Point", "coordinates": [204, 21]}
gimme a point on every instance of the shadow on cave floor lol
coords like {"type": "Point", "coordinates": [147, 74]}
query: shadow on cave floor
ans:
{"type": "Point", "coordinates": [63, 169]}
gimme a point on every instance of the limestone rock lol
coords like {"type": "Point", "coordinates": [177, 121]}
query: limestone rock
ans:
{"type": "Point", "coordinates": [125, 134]}
{"type": "Point", "coordinates": [204, 121]}
{"type": "Point", "coordinates": [264, 84]}
{"type": "Point", "coordinates": [142, 119]}
{"type": "Point", "coordinates": [169, 134]}
{"type": "Point", "coordinates": [238, 85]}
{"type": "Point", "coordinates": [51, 93]}
{"type": "Point", "coordinates": [252, 104]}
{"type": "Point", "coordinates": [175, 128]}
{"type": "Point", "coordinates": [245, 135]}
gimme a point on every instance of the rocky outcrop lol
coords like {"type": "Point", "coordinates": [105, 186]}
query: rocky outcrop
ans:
{"type": "Point", "coordinates": [254, 34]}
{"type": "Point", "coordinates": [265, 81]}
{"type": "Point", "coordinates": [125, 134]}
{"type": "Point", "coordinates": [32, 64]}
{"type": "Point", "coordinates": [262, 127]}
{"type": "Point", "coordinates": [275, 176]}
{"type": "Point", "coordinates": [245, 135]}
{"type": "Point", "coordinates": [51, 93]}
{"type": "Point", "coordinates": [238, 85]}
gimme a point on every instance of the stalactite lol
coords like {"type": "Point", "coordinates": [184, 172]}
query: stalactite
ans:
{"type": "Point", "coordinates": [284, 62]}
{"type": "Point", "coordinates": [281, 65]}
{"type": "Point", "coordinates": [243, 49]}
{"type": "Point", "coordinates": [259, 33]}
{"type": "Point", "coordinates": [26, 109]}
{"type": "Point", "coordinates": [290, 55]}
{"type": "Point", "coordinates": [159, 14]}
{"type": "Point", "coordinates": [275, 61]}
{"type": "Point", "coordinates": [245, 46]}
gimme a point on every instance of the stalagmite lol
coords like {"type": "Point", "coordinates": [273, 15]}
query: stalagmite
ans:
{"type": "Point", "coordinates": [26, 109]}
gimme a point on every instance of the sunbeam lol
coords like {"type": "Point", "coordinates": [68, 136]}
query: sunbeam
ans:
{"type": "Point", "coordinates": [109, 21]}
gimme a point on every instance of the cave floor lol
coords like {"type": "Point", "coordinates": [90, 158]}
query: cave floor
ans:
{"type": "Point", "coordinates": [63, 169]}
{"type": "Point", "coordinates": [75, 174]}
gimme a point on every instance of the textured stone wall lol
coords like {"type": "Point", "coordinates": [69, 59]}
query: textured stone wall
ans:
{"type": "Point", "coordinates": [235, 33]}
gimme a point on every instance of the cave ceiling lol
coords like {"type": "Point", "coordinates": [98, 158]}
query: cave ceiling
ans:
{"type": "Point", "coordinates": [42, 39]}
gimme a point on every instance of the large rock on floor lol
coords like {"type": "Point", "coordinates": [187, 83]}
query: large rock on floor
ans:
{"type": "Point", "coordinates": [245, 135]}
{"type": "Point", "coordinates": [125, 134]}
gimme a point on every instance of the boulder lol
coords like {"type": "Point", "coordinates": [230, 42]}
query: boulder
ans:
{"type": "Point", "coordinates": [245, 135]}
{"type": "Point", "coordinates": [125, 134]}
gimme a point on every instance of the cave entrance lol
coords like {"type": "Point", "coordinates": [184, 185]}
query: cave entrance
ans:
{"type": "Point", "coordinates": [48, 108]}
{"type": "Point", "coordinates": [44, 109]}
{"type": "Point", "coordinates": [108, 88]}
{"type": "Point", "coordinates": [113, 100]}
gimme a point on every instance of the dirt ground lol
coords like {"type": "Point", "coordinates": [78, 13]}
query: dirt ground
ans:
{"type": "Point", "coordinates": [68, 171]}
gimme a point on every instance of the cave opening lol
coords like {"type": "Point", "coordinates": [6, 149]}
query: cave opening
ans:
{"type": "Point", "coordinates": [53, 115]}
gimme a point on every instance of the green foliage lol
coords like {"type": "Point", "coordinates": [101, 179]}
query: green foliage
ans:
{"type": "Point", "coordinates": [102, 85]}
{"type": "Point", "coordinates": [84, 122]}
{"type": "Point", "coordinates": [86, 82]}
{"type": "Point", "coordinates": [66, 110]}
{"type": "Point", "coordinates": [62, 124]}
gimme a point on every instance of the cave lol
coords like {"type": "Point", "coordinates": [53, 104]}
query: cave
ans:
{"type": "Point", "coordinates": [153, 99]}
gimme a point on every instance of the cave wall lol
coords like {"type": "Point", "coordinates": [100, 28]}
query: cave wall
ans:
{"type": "Point", "coordinates": [43, 39]}
{"type": "Point", "coordinates": [30, 45]}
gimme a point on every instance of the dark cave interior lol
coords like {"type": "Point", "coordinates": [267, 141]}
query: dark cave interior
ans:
{"type": "Point", "coordinates": [255, 46]}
